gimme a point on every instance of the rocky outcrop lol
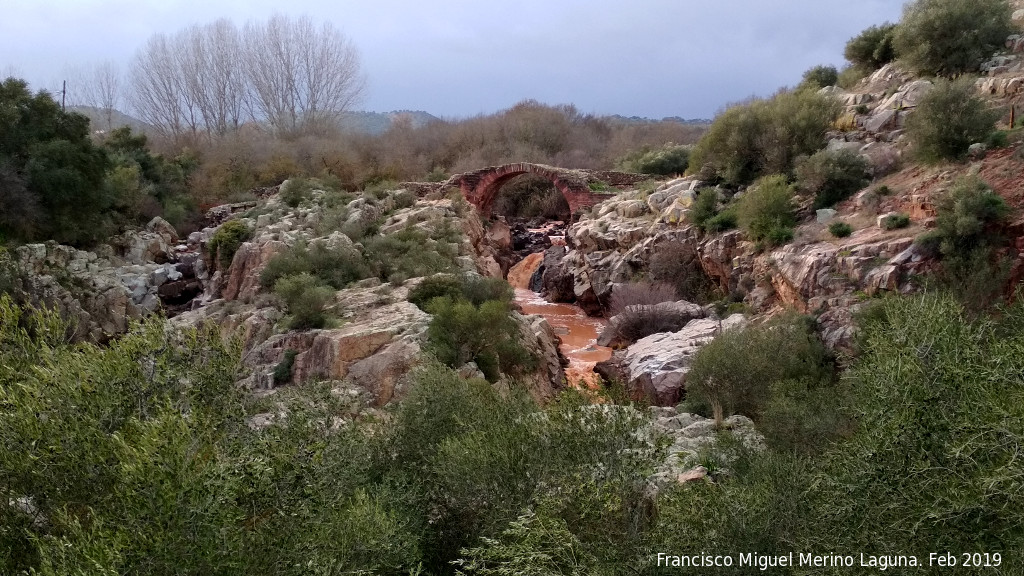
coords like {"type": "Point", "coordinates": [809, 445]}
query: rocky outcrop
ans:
{"type": "Point", "coordinates": [144, 271]}
{"type": "Point", "coordinates": [670, 316]}
{"type": "Point", "coordinates": [690, 435]}
{"type": "Point", "coordinates": [655, 367]}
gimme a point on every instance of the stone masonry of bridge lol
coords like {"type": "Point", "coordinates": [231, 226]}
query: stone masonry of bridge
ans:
{"type": "Point", "coordinates": [480, 187]}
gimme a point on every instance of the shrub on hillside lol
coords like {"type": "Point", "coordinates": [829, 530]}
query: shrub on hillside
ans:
{"type": "Point", "coordinates": [734, 373]}
{"type": "Point", "coordinates": [705, 206]}
{"type": "Point", "coordinates": [295, 191]}
{"type": "Point", "coordinates": [669, 160]}
{"type": "Point", "coordinates": [227, 240]}
{"type": "Point", "coordinates": [413, 252]}
{"type": "Point", "coordinates": [473, 288]}
{"type": "Point", "coordinates": [962, 216]}
{"type": "Point", "coordinates": [831, 176]}
{"type": "Point", "coordinates": [935, 394]}
{"type": "Point", "coordinates": [336, 266]}
{"type": "Point", "coordinates": [678, 264]}
{"type": "Point", "coordinates": [766, 212]}
{"type": "Point", "coordinates": [840, 229]}
{"type": "Point", "coordinates": [635, 313]}
{"type": "Point", "coordinates": [963, 238]}
{"type": "Point", "coordinates": [895, 221]}
{"type": "Point", "coordinates": [820, 77]}
{"type": "Point", "coordinates": [764, 137]}
{"type": "Point", "coordinates": [948, 119]}
{"type": "Point", "coordinates": [306, 300]}
{"type": "Point", "coordinates": [872, 48]}
{"type": "Point", "coordinates": [462, 332]}
{"type": "Point", "coordinates": [951, 37]}
{"type": "Point", "coordinates": [724, 220]}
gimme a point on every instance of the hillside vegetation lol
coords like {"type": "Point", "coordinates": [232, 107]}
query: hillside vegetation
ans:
{"type": "Point", "coordinates": [232, 439]}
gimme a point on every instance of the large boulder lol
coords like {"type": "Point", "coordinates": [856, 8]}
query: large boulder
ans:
{"type": "Point", "coordinates": [670, 316]}
{"type": "Point", "coordinates": [655, 367]}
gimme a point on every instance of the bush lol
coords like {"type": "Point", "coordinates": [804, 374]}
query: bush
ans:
{"type": "Point", "coordinates": [295, 191]}
{"type": "Point", "coordinates": [462, 332]}
{"type": "Point", "coordinates": [337, 266]}
{"type": "Point", "coordinates": [764, 137]}
{"type": "Point", "coordinates": [412, 253]}
{"type": "Point", "coordinates": [962, 216]}
{"type": "Point", "coordinates": [840, 229]}
{"type": "Point", "coordinates": [948, 119]}
{"type": "Point", "coordinates": [678, 264]}
{"type": "Point", "coordinates": [850, 76]}
{"type": "Point", "coordinates": [951, 37]}
{"type": "Point", "coordinates": [872, 48]}
{"type": "Point", "coordinates": [283, 370]}
{"type": "Point", "coordinates": [734, 373]}
{"type": "Point", "coordinates": [765, 212]}
{"type": "Point", "coordinates": [831, 176]}
{"type": "Point", "coordinates": [895, 221]}
{"type": "Point", "coordinates": [669, 160]}
{"type": "Point", "coordinates": [930, 389]}
{"type": "Point", "coordinates": [820, 77]}
{"type": "Point", "coordinates": [306, 299]}
{"type": "Point", "coordinates": [704, 207]}
{"type": "Point", "coordinates": [227, 240]}
{"type": "Point", "coordinates": [724, 220]}
{"type": "Point", "coordinates": [635, 313]}
{"type": "Point", "coordinates": [471, 287]}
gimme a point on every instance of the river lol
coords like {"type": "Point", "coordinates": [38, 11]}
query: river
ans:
{"type": "Point", "coordinates": [577, 331]}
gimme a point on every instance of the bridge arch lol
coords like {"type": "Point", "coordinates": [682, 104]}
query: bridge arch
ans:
{"type": "Point", "coordinates": [480, 187]}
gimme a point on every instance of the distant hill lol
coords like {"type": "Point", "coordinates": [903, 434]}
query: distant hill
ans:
{"type": "Point", "coordinates": [98, 119]}
{"type": "Point", "coordinates": [379, 122]}
{"type": "Point", "coordinates": [641, 120]}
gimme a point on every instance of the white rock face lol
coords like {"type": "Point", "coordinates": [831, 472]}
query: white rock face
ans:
{"type": "Point", "coordinates": [658, 364]}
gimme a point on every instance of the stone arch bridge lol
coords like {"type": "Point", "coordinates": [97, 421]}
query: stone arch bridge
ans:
{"type": "Point", "coordinates": [480, 187]}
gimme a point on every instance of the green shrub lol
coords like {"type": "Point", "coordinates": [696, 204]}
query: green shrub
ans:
{"type": "Point", "coordinates": [336, 266]}
{"type": "Point", "coordinates": [820, 77]}
{"type": "Point", "coordinates": [850, 76]}
{"type": "Point", "coordinates": [766, 212]}
{"type": "Point", "coordinates": [295, 191]}
{"type": "Point", "coordinates": [306, 299]}
{"type": "Point", "coordinates": [937, 399]}
{"type": "Point", "coordinates": [412, 253]}
{"type": "Point", "coordinates": [764, 137]}
{"type": "Point", "coordinates": [472, 288]}
{"type": "Point", "coordinates": [962, 216]}
{"type": "Point", "coordinates": [283, 369]}
{"type": "Point", "coordinates": [872, 48]}
{"type": "Point", "coordinates": [734, 373]}
{"type": "Point", "coordinates": [704, 207]}
{"type": "Point", "coordinates": [669, 160]}
{"type": "Point", "coordinates": [724, 220]}
{"type": "Point", "coordinates": [227, 240]}
{"type": "Point", "coordinates": [461, 332]}
{"type": "Point", "coordinates": [951, 37]}
{"type": "Point", "coordinates": [948, 119]}
{"type": "Point", "coordinates": [895, 221]}
{"type": "Point", "coordinates": [831, 176]}
{"type": "Point", "coordinates": [964, 240]}
{"type": "Point", "coordinates": [997, 139]}
{"type": "Point", "coordinates": [840, 229]}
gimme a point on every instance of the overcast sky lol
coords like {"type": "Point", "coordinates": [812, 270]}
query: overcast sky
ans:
{"type": "Point", "coordinates": [458, 58]}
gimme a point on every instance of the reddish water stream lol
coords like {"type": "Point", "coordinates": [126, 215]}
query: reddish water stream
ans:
{"type": "Point", "coordinates": [577, 331]}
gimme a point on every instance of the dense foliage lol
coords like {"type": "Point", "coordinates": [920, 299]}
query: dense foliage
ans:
{"type": "Point", "coordinates": [872, 48]}
{"type": "Point", "coordinates": [763, 137]}
{"type": "Point", "coordinates": [948, 119]}
{"type": "Point", "coordinates": [951, 37]}
{"type": "Point", "coordinates": [831, 176]}
{"type": "Point", "coordinates": [766, 212]}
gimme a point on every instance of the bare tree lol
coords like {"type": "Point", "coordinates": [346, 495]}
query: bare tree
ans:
{"type": "Point", "coordinates": [157, 87]}
{"type": "Point", "coordinates": [99, 86]}
{"type": "Point", "coordinates": [302, 77]}
{"type": "Point", "coordinates": [291, 74]}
